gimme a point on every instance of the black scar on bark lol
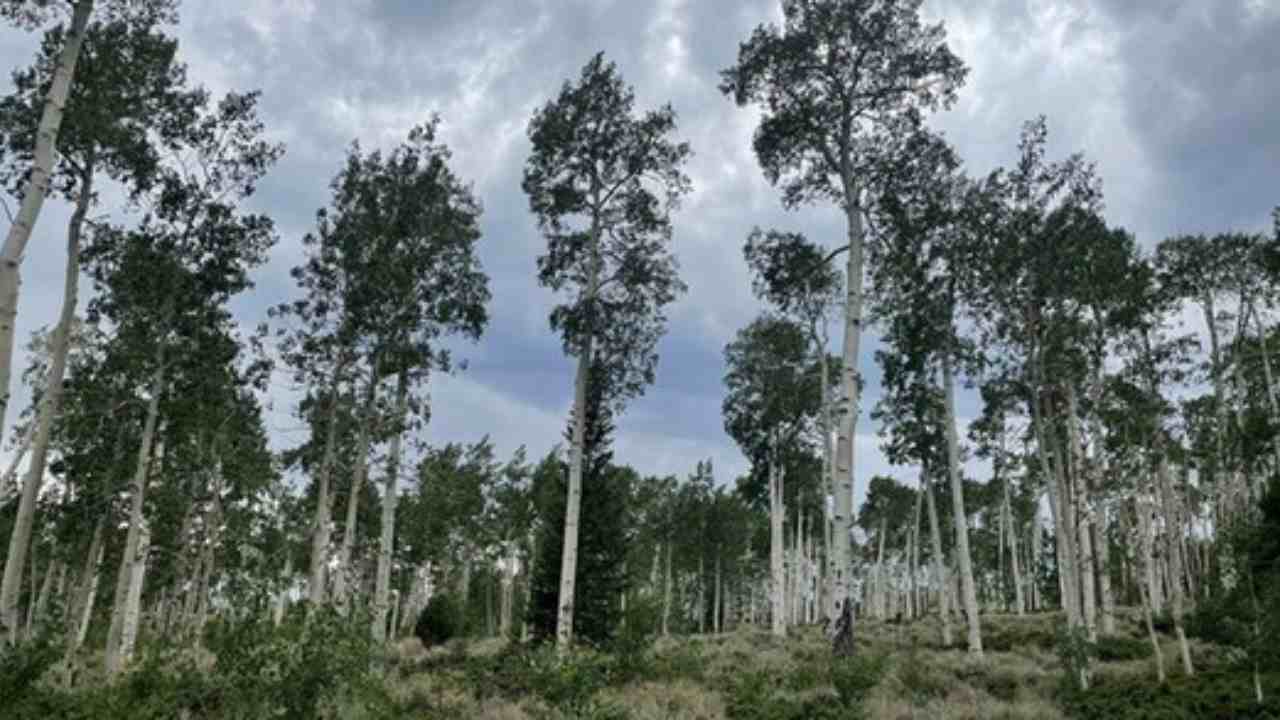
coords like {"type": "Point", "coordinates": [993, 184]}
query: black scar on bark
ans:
{"type": "Point", "coordinates": [842, 643]}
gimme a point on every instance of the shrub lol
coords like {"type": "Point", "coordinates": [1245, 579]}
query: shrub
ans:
{"type": "Point", "coordinates": [855, 677]}
{"type": "Point", "coordinates": [440, 621]}
{"type": "Point", "coordinates": [1118, 648]}
{"type": "Point", "coordinates": [1212, 695]}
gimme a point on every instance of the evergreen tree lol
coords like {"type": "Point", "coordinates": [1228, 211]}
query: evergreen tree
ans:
{"type": "Point", "coordinates": [602, 533]}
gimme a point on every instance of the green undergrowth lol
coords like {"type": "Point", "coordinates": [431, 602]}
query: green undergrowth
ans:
{"type": "Point", "coordinates": [323, 668]}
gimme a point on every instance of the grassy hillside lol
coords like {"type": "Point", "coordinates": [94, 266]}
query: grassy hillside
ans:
{"type": "Point", "coordinates": [901, 671]}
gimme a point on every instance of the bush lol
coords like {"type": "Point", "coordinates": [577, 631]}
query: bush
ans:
{"type": "Point", "coordinates": [440, 621]}
{"type": "Point", "coordinates": [1207, 696]}
{"type": "Point", "coordinates": [855, 677]}
{"type": "Point", "coordinates": [306, 668]}
{"type": "Point", "coordinates": [1117, 648]}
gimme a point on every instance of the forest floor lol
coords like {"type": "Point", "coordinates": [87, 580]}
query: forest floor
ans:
{"type": "Point", "coordinates": [901, 671]}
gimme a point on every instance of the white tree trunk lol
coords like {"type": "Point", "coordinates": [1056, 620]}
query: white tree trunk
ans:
{"type": "Point", "coordinates": [50, 406]}
{"type": "Point", "coordinates": [1173, 531]}
{"type": "Point", "coordinates": [573, 509]}
{"type": "Point", "coordinates": [116, 654]}
{"type": "Point", "coordinates": [961, 519]}
{"type": "Point", "coordinates": [914, 554]}
{"type": "Point", "coordinates": [1082, 529]}
{"type": "Point", "coordinates": [880, 598]}
{"type": "Point", "coordinates": [715, 609]}
{"type": "Point", "coordinates": [34, 192]}
{"type": "Point", "coordinates": [133, 599]}
{"type": "Point", "coordinates": [386, 541]}
{"type": "Point", "coordinates": [282, 597]}
{"type": "Point", "coordinates": [1019, 598]}
{"type": "Point", "coordinates": [344, 577]}
{"type": "Point", "coordinates": [939, 566]}
{"type": "Point", "coordinates": [320, 530]}
{"type": "Point", "coordinates": [777, 573]}
{"type": "Point", "coordinates": [80, 608]}
{"type": "Point", "coordinates": [828, 484]}
{"type": "Point", "coordinates": [666, 593]}
{"type": "Point", "coordinates": [845, 456]}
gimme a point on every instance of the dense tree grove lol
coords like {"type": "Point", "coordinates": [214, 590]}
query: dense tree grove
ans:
{"type": "Point", "coordinates": [1124, 460]}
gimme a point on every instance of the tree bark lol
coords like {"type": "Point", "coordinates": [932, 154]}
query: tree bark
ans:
{"type": "Point", "coordinates": [881, 598]}
{"type": "Point", "coordinates": [1083, 527]}
{"type": "Point", "coordinates": [777, 574]}
{"type": "Point", "coordinates": [118, 647]}
{"type": "Point", "coordinates": [666, 594]}
{"type": "Point", "coordinates": [82, 604]}
{"type": "Point", "coordinates": [939, 566]}
{"type": "Point", "coordinates": [386, 541]}
{"type": "Point", "coordinates": [324, 500]}
{"type": "Point", "coordinates": [569, 555]}
{"type": "Point", "coordinates": [1173, 531]}
{"type": "Point", "coordinates": [343, 578]}
{"type": "Point", "coordinates": [1019, 598]}
{"type": "Point", "coordinates": [845, 455]}
{"type": "Point", "coordinates": [35, 191]}
{"type": "Point", "coordinates": [914, 554]}
{"type": "Point", "coordinates": [50, 406]}
{"type": "Point", "coordinates": [961, 519]}
{"type": "Point", "coordinates": [282, 596]}
{"type": "Point", "coordinates": [715, 609]}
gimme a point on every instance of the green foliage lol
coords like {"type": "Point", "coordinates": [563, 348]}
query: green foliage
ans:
{"type": "Point", "coordinates": [1209, 695]}
{"type": "Point", "coordinates": [602, 181]}
{"type": "Point", "coordinates": [567, 683]}
{"type": "Point", "coordinates": [440, 621]}
{"type": "Point", "coordinates": [1075, 651]}
{"type": "Point", "coordinates": [21, 667]}
{"type": "Point", "coordinates": [855, 676]}
{"type": "Point", "coordinates": [603, 531]}
{"type": "Point", "coordinates": [306, 668]}
{"type": "Point", "coordinates": [1118, 648]}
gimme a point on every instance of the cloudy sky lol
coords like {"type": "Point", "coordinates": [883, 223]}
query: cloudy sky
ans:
{"type": "Point", "coordinates": [1176, 100]}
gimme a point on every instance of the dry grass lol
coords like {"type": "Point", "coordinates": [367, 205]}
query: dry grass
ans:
{"type": "Point", "coordinates": [697, 677]}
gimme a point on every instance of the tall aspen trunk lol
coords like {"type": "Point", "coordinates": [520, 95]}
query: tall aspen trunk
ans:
{"type": "Point", "coordinates": [343, 579]}
{"type": "Point", "coordinates": [573, 506]}
{"type": "Point", "coordinates": [34, 192]}
{"type": "Point", "coordinates": [133, 599]}
{"type": "Point", "coordinates": [282, 596]}
{"type": "Point", "coordinates": [699, 605]}
{"type": "Point", "coordinates": [1173, 531]}
{"type": "Point", "coordinates": [386, 540]}
{"type": "Point", "coordinates": [320, 530]}
{"type": "Point", "coordinates": [666, 593]}
{"type": "Point", "coordinates": [117, 653]}
{"type": "Point", "coordinates": [1063, 547]}
{"type": "Point", "coordinates": [569, 556]}
{"type": "Point", "coordinates": [213, 529]}
{"type": "Point", "coordinates": [939, 566]}
{"type": "Point", "coordinates": [845, 456]}
{"type": "Point", "coordinates": [828, 484]}
{"type": "Point", "coordinates": [1018, 597]}
{"type": "Point", "coordinates": [82, 606]}
{"type": "Point", "coordinates": [778, 578]}
{"type": "Point", "coordinates": [916, 610]}
{"type": "Point", "coordinates": [1082, 529]}
{"type": "Point", "coordinates": [957, 507]}
{"type": "Point", "coordinates": [1144, 592]}
{"type": "Point", "coordinates": [880, 600]}
{"type": "Point", "coordinates": [715, 608]}
{"type": "Point", "coordinates": [1037, 547]}
{"type": "Point", "coordinates": [50, 406]}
